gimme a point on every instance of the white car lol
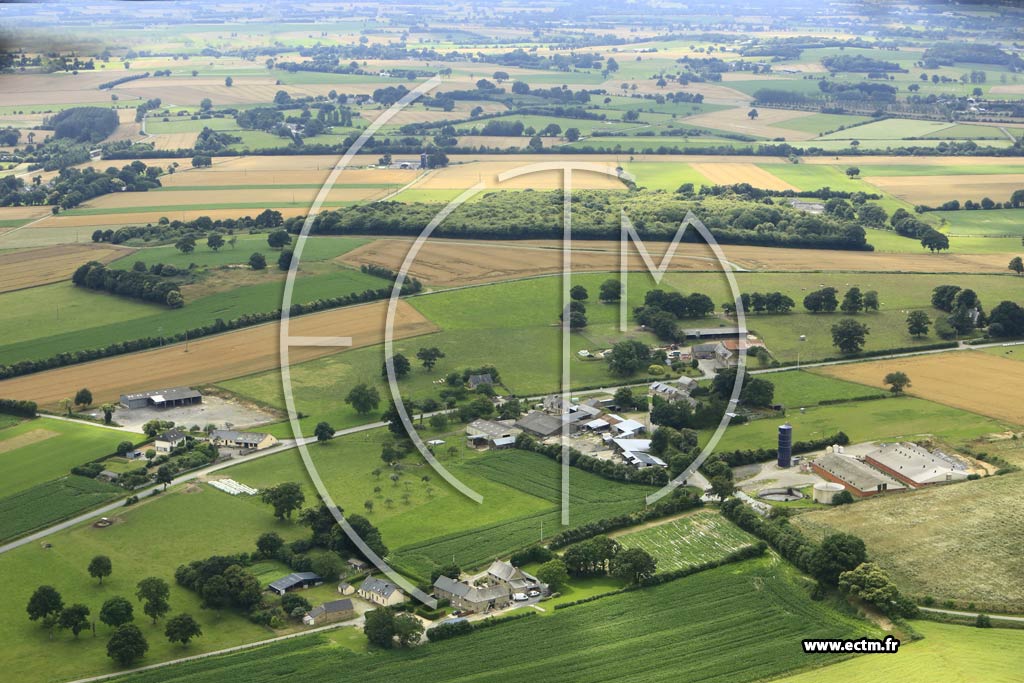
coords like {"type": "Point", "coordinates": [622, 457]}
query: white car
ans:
{"type": "Point", "coordinates": [519, 597]}
{"type": "Point", "coordinates": [533, 593]}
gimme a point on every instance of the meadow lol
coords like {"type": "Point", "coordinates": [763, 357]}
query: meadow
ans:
{"type": "Point", "coordinates": [427, 523]}
{"type": "Point", "coordinates": [36, 451]}
{"type": "Point", "coordinates": [149, 539]}
{"type": "Point", "coordinates": [688, 630]}
{"type": "Point", "coordinates": [965, 544]}
{"type": "Point", "coordinates": [947, 652]}
{"type": "Point", "coordinates": [704, 536]}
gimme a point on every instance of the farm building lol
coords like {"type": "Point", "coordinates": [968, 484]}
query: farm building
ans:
{"type": "Point", "coordinates": [916, 466]}
{"type": "Point", "coordinates": [169, 440]}
{"type": "Point", "coordinates": [636, 453]}
{"type": "Point", "coordinates": [716, 351]}
{"type": "Point", "coordinates": [162, 398]}
{"type": "Point", "coordinates": [540, 424]}
{"type": "Point", "coordinates": [357, 564]}
{"type": "Point", "coordinates": [513, 578]}
{"type": "Point", "coordinates": [860, 479]}
{"type": "Point", "coordinates": [328, 612]}
{"type": "Point", "coordinates": [627, 428]}
{"type": "Point", "coordinates": [346, 588]}
{"type": "Point", "coordinates": [295, 581]}
{"type": "Point", "coordinates": [488, 433]}
{"type": "Point", "coordinates": [713, 332]}
{"type": "Point", "coordinates": [381, 592]}
{"type": "Point", "coordinates": [674, 391]}
{"type": "Point", "coordinates": [469, 598]}
{"type": "Point", "coordinates": [250, 441]}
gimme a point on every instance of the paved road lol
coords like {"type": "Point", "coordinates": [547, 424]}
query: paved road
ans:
{"type": "Point", "coordinates": [188, 476]}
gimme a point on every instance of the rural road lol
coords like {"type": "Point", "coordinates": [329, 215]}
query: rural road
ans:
{"type": "Point", "coordinates": [188, 476]}
{"type": "Point", "coordinates": [971, 615]}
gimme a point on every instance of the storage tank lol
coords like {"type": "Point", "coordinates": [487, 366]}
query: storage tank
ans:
{"type": "Point", "coordinates": [785, 445]}
{"type": "Point", "coordinates": [824, 491]}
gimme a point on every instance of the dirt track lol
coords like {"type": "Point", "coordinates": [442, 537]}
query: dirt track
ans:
{"type": "Point", "coordinates": [213, 359]}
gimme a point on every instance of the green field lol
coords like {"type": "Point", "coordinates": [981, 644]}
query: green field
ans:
{"type": "Point", "coordinates": [149, 539]}
{"type": "Point", "coordinates": [891, 129]}
{"type": "Point", "coordinates": [885, 420]}
{"type": "Point", "coordinates": [36, 451]}
{"type": "Point", "coordinates": [665, 176]}
{"type": "Point", "coordinates": [797, 388]}
{"type": "Point", "coordinates": [77, 318]}
{"type": "Point", "coordinates": [947, 653]}
{"type": "Point", "coordinates": [46, 503]}
{"type": "Point", "coordinates": [816, 176]}
{"type": "Point", "coordinates": [689, 630]}
{"type": "Point", "coordinates": [689, 541]}
{"type": "Point", "coordinates": [994, 223]}
{"type": "Point", "coordinates": [520, 493]}
{"type": "Point", "coordinates": [820, 123]}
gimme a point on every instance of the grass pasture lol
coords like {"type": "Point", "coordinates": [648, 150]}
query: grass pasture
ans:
{"type": "Point", "coordinates": [947, 653]}
{"type": "Point", "coordinates": [985, 384]}
{"type": "Point", "coordinates": [36, 451]}
{"type": "Point", "coordinates": [689, 540]}
{"type": "Point", "coordinates": [692, 623]}
{"type": "Point", "coordinates": [958, 542]}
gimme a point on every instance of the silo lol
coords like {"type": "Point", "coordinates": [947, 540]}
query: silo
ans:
{"type": "Point", "coordinates": [785, 445]}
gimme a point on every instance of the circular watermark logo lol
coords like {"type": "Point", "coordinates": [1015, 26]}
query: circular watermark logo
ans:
{"type": "Point", "coordinates": [628, 238]}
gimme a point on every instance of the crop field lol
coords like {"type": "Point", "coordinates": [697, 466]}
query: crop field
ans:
{"type": "Point", "coordinates": [689, 541]}
{"type": "Point", "coordinates": [925, 190]}
{"type": "Point", "coordinates": [43, 504]}
{"type": "Point", "coordinates": [169, 141]}
{"type": "Point", "coordinates": [728, 174]}
{"type": "Point", "coordinates": [24, 269]}
{"type": "Point", "coordinates": [464, 176]}
{"type": "Point", "coordinates": [985, 384]}
{"type": "Point", "coordinates": [966, 540]}
{"type": "Point", "coordinates": [688, 628]}
{"type": "Point", "coordinates": [817, 124]}
{"type": "Point", "coordinates": [947, 653]}
{"type": "Point", "coordinates": [175, 527]}
{"type": "Point", "coordinates": [211, 359]}
{"type": "Point", "coordinates": [36, 451]}
{"type": "Point", "coordinates": [767, 124]}
{"type": "Point", "coordinates": [201, 198]}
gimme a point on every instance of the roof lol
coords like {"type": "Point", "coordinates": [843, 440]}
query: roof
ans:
{"type": "Point", "coordinates": [643, 459]}
{"type": "Point", "coordinates": [172, 394]}
{"type": "Point", "coordinates": [635, 445]}
{"type": "Point", "coordinates": [171, 435]}
{"type": "Point", "coordinates": [592, 411]}
{"type": "Point", "coordinates": [294, 579]}
{"type": "Point", "coordinates": [540, 423]}
{"type": "Point", "coordinates": [596, 424]}
{"type": "Point", "coordinates": [629, 426]}
{"type": "Point", "coordinates": [490, 429]}
{"type": "Point", "coordinates": [504, 441]}
{"type": "Point", "coordinates": [665, 388]}
{"type": "Point", "coordinates": [233, 435]}
{"type": "Point", "coordinates": [379, 586]}
{"type": "Point", "coordinates": [344, 605]}
{"type": "Point", "coordinates": [855, 473]}
{"type": "Point", "coordinates": [713, 332]}
{"type": "Point", "coordinates": [709, 346]}
{"type": "Point", "coordinates": [918, 464]}
{"type": "Point", "coordinates": [476, 380]}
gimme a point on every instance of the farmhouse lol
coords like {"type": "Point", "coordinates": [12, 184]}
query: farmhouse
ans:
{"type": "Point", "coordinates": [674, 391]}
{"type": "Point", "coordinates": [162, 398]}
{"type": "Point", "coordinates": [481, 433]}
{"type": "Point", "coordinates": [295, 581]}
{"type": "Point", "coordinates": [513, 578]}
{"type": "Point", "coordinates": [916, 466]}
{"type": "Point", "coordinates": [250, 441]}
{"type": "Point", "coordinates": [861, 479]}
{"type": "Point", "coordinates": [169, 440]}
{"type": "Point", "coordinates": [468, 598]}
{"type": "Point", "coordinates": [540, 424]}
{"type": "Point", "coordinates": [475, 381]}
{"type": "Point", "coordinates": [328, 612]}
{"type": "Point", "coordinates": [381, 592]}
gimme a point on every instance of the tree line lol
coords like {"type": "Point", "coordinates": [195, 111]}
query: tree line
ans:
{"type": "Point", "coordinates": [128, 283]}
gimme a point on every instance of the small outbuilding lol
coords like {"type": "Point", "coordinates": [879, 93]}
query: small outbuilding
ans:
{"type": "Point", "coordinates": [328, 612]}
